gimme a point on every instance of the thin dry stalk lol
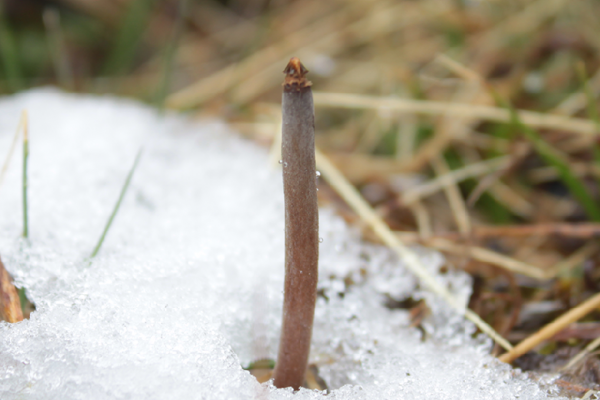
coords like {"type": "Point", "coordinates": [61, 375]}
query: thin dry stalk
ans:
{"type": "Point", "coordinates": [13, 146]}
{"type": "Point", "coordinates": [10, 305]}
{"type": "Point", "coordinates": [301, 227]}
{"type": "Point", "coordinates": [593, 345]}
{"type": "Point", "coordinates": [361, 167]}
{"type": "Point", "coordinates": [484, 113]}
{"type": "Point", "coordinates": [550, 173]}
{"type": "Point", "coordinates": [453, 177]}
{"type": "Point", "coordinates": [575, 259]}
{"type": "Point", "coordinates": [489, 257]}
{"type": "Point", "coordinates": [407, 135]}
{"type": "Point", "coordinates": [552, 328]}
{"type": "Point", "coordinates": [578, 100]}
{"type": "Point", "coordinates": [423, 219]}
{"type": "Point", "coordinates": [456, 67]}
{"type": "Point", "coordinates": [477, 253]}
{"type": "Point", "coordinates": [457, 204]}
{"type": "Point", "coordinates": [513, 200]}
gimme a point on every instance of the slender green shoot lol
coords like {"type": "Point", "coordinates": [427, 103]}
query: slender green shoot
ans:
{"type": "Point", "coordinates": [555, 159]}
{"type": "Point", "coordinates": [117, 205]}
{"type": "Point", "coordinates": [12, 148]}
{"type": "Point", "coordinates": [24, 180]}
{"type": "Point", "coordinates": [129, 34]}
{"type": "Point", "coordinates": [9, 54]}
{"type": "Point", "coordinates": [169, 55]}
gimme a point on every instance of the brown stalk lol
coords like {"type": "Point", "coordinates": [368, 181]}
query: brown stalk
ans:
{"type": "Point", "coordinates": [10, 305]}
{"type": "Point", "coordinates": [301, 227]}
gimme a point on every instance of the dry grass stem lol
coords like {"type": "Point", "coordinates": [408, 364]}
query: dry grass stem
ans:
{"type": "Point", "coordinates": [489, 257]}
{"type": "Point", "coordinates": [452, 177]}
{"type": "Point", "coordinates": [511, 199]}
{"type": "Point", "coordinates": [477, 253]}
{"type": "Point", "coordinates": [478, 112]}
{"type": "Point", "coordinates": [13, 146]}
{"type": "Point", "coordinates": [593, 345]}
{"type": "Point", "coordinates": [407, 136]}
{"type": "Point", "coordinates": [361, 167]}
{"type": "Point", "coordinates": [455, 199]}
{"type": "Point", "coordinates": [457, 68]}
{"type": "Point", "coordinates": [552, 328]}
{"type": "Point", "coordinates": [575, 259]}
{"type": "Point", "coordinates": [423, 219]}
{"type": "Point", "coordinates": [578, 100]}
{"type": "Point", "coordinates": [550, 173]}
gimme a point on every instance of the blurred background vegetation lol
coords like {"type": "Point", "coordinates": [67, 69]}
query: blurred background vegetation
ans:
{"type": "Point", "coordinates": [416, 103]}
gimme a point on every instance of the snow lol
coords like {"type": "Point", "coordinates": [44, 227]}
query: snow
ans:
{"type": "Point", "coordinates": [187, 288]}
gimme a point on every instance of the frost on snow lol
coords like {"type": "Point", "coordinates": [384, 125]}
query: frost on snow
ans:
{"type": "Point", "coordinates": [187, 288]}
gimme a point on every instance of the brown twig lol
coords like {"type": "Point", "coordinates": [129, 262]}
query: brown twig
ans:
{"type": "Point", "coordinates": [301, 227]}
{"type": "Point", "coordinates": [10, 305]}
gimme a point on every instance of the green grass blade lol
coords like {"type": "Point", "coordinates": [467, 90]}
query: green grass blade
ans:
{"type": "Point", "coordinates": [9, 55]}
{"type": "Point", "coordinates": [117, 205]}
{"type": "Point", "coordinates": [553, 158]}
{"type": "Point", "coordinates": [128, 37]}
{"type": "Point", "coordinates": [24, 177]}
{"type": "Point", "coordinates": [169, 55]}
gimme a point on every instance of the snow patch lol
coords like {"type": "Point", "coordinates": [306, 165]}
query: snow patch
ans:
{"type": "Point", "coordinates": [187, 288]}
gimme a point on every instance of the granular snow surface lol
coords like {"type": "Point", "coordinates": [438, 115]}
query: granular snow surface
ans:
{"type": "Point", "coordinates": [187, 288]}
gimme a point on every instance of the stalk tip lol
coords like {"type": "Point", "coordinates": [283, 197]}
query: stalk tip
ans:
{"type": "Point", "coordinates": [295, 75]}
